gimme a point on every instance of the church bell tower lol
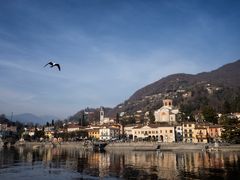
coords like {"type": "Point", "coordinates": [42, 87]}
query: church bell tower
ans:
{"type": "Point", "coordinates": [101, 115]}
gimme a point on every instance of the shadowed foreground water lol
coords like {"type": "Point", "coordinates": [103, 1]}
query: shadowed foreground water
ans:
{"type": "Point", "coordinates": [70, 163]}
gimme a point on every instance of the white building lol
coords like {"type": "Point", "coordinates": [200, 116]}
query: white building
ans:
{"type": "Point", "coordinates": [73, 127]}
{"type": "Point", "coordinates": [179, 133]}
{"type": "Point", "coordinates": [128, 131]}
{"type": "Point", "coordinates": [166, 113]}
{"type": "Point", "coordinates": [108, 133]}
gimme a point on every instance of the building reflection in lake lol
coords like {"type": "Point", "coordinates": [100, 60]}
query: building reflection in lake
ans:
{"type": "Point", "coordinates": [129, 164]}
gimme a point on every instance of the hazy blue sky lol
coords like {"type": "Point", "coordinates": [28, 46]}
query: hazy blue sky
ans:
{"type": "Point", "coordinates": [108, 49]}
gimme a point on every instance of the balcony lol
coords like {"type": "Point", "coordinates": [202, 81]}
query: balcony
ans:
{"type": "Point", "coordinates": [201, 136]}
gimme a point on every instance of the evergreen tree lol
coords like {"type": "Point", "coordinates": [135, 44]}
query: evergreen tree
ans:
{"type": "Point", "coordinates": [52, 122]}
{"type": "Point", "coordinates": [151, 117]}
{"type": "Point", "coordinates": [226, 107]}
{"type": "Point", "coordinates": [210, 114]}
{"type": "Point", "coordinates": [231, 129]}
{"type": "Point", "coordinates": [117, 118]}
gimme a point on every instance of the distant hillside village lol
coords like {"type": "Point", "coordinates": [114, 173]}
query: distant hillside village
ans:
{"type": "Point", "coordinates": [162, 125]}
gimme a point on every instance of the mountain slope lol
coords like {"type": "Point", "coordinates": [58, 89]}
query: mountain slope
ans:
{"type": "Point", "coordinates": [227, 75]}
{"type": "Point", "coordinates": [207, 88]}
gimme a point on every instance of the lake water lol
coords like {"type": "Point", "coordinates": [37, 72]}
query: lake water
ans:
{"type": "Point", "coordinates": [70, 163]}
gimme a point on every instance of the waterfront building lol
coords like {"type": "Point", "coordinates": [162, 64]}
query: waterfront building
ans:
{"type": "Point", "coordinates": [201, 134]}
{"type": "Point", "coordinates": [49, 131]}
{"type": "Point", "coordinates": [109, 133]}
{"type": "Point", "coordinates": [12, 129]}
{"type": "Point", "coordinates": [215, 132]}
{"type": "Point", "coordinates": [166, 134]}
{"type": "Point", "coordinates": [128, 131]}
{"type": "Point", "coordinates": [161, 133]}
{"type": "Point", "coordinates": [167, 113]}
{"type": "Point", "coordinates": [3, 127]}
{"type": "Point", "coordinates": [147, 132]}
{"type": "Point", "coordinates": [73, 127]}
{"type": "Point", "coordinates": [94, 133]}
{"type": "Point", "coordinates": [188, 132]}
{"type": "Point", "coordinates": [31, 132]}
{"type": "Point", "coordinates": [179, 133]}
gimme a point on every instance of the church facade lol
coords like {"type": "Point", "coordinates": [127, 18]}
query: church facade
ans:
{"type": "Point", "coordinates": [167, 113]}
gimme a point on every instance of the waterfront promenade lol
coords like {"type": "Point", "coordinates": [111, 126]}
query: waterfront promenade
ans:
{"type": "Point", "coordinates": [136, 146]}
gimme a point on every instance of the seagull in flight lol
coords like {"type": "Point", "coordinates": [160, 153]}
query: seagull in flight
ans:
{"type": "Point", "coordinates": [52, 64]}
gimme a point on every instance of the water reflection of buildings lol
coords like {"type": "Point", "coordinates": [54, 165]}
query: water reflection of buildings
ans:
{"type": "Point", "coordinates": [164, 165]}
{"type": "Point", "coordinates": [161, 164]}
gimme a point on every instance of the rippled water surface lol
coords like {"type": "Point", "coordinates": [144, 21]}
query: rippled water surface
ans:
{"type": "Point", "coordinates": [70, 163]}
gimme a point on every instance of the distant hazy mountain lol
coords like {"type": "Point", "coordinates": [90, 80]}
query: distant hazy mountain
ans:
{"type": "Point", "coordinates": [28, 117]}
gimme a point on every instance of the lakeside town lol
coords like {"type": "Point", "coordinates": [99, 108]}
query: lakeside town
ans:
{"type": "Point", "coordinates": [165, 129]}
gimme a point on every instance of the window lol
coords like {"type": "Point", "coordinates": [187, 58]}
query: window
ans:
{"type": "Point", "coordinates": [170, 131]}
{"type": "Point", "coordinates": [190, 125]}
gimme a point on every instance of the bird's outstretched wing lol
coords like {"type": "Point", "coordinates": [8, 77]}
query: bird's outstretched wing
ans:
{"type": "Point", "coordinates": [58, 66]}
{"type": "Point", "coordinates": [50, 63]}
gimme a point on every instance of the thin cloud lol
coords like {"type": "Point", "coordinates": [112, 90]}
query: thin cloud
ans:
{"type": "Point", "coordinates": [107, 50]}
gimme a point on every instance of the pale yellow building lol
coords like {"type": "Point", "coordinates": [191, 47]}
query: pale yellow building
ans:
{"type": "Point", "coordinates": [188, 129]}
{"type": "Point", "coordinates": [154, 132]}
{"type": "Point", "coordinates": [201, 134]}
{"type": "Point", "coordinates": [94, 133]}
